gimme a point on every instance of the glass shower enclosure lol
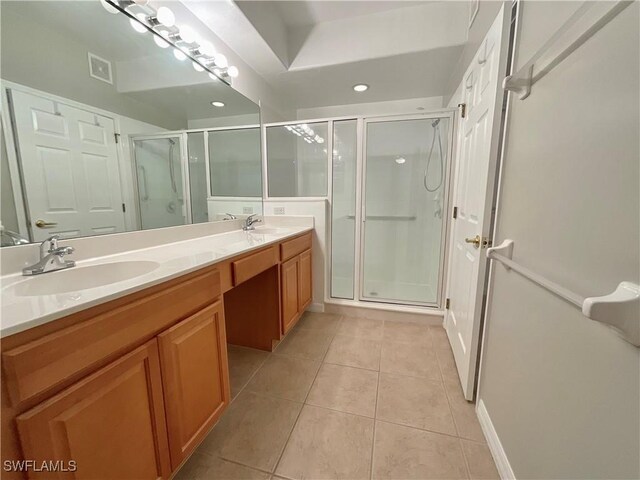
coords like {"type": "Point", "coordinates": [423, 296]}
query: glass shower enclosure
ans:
{"type": "Point", "coordinates": [163, 194]}
{"type": "Point", "coordinates": [389, 198]}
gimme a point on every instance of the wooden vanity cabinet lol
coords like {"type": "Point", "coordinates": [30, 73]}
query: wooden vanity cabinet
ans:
{"type": "Point", "coordinates": [296, 280]}
{"type": "Point", "coordinates": [193, 356]}
{"type": "Point", "coordinates": [111, 423]}
{"type": "Point", "coordinates": [128, 389]}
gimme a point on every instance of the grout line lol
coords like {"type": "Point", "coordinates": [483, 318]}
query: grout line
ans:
{"type": "Point", "coordinates": [286, 443]}
{"type": "Point", "coordinates": [466, 460]}
{"type": "Point", "coordinates": [375, 419]}
{"type": "Point", "coordinates": [242, 389]}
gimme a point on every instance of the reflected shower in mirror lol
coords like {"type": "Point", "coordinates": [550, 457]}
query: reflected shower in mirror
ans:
{"type": "Point", "coordinates": [108, 128]}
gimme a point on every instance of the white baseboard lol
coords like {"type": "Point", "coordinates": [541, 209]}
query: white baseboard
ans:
{"type": "Point", "coordinates": [493, 442]}
{"type": "Point", "coordinates": [316, 307]}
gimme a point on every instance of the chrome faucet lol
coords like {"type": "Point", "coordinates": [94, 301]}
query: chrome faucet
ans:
{"type": "Point", "coordinates": [8, 238]}
{"type": "Point", "coordinates": [249, 221]}
{"type": "Point", "coordinates": [229, 216]}
{"type": "Point", "coordinates": [51, 258]}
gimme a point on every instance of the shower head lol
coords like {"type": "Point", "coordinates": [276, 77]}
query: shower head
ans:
{"type": "Point", "coordinates": [435, 123]}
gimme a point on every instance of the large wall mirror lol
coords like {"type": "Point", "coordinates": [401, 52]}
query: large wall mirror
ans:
{"type": "Point", "coordinates": [107, 127]}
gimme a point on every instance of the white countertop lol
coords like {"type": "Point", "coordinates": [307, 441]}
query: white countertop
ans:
{"type": "Point", "coordinates": [21, 312]}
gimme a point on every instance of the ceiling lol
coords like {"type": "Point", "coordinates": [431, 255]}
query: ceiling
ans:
{"type": "Point", "coordinates": [302, 13]}
{"type": "Point", "coordinates": [312, 52]}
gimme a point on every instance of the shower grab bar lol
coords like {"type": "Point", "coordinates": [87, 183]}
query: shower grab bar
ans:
{"type": "Point", "coordinates": [143, 170]}
{"type": "Point", "coordinates": [588, 19]}
{"type": "Point", "coordinates": [619, 310]}
{"type": "Point", "coordinates": [385, 217]}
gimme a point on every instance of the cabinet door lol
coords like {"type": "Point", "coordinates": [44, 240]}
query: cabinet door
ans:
{"type": "Point", "coordinates": [111, 423]}
{"type": "Point", "coordinates": [289, 292]}
{"type": "Point", "coordinates": [304, 281]}
{"type": "Point", "coordinates": [195, 374]}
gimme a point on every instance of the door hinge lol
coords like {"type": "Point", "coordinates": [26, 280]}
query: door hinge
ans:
{"type": "Point", "coordinates": [463, 109]}
{"type": "Point", "coordinates": [455, 212]}
{"type": "Point", "coordinates": [447, 303]}
{"type": "Point", "coordinates": [117, 137]}
{"type": "Point", "coordinates": [124, 207]}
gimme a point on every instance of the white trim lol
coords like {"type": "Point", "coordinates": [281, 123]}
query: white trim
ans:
{"type": "Point", "coordinates": [14, 165]}
{"type": "Point", "coordinates": [493, 442]}
{"type": "Point", "coordinates": [396, 307]}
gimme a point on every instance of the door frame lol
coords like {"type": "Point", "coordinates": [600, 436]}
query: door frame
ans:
{"type": "Point", "coordinates": [184, 167]}
{"type": "Point", "coordinates": [451, 115]}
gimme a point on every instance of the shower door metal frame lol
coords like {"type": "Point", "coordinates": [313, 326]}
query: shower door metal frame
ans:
{"type": "Point", "coordinates": [184, 166]}
{"type": "Point", "coordinates": [361, 203]}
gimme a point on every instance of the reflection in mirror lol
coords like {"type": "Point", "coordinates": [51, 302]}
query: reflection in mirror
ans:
{"type": "Point", "coordinates": [108, 128]}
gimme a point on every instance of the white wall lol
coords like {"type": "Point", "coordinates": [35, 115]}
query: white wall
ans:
{"type": "Point", "coordinates": [562, 391]}
{"type": "Point", "coordinates": [393, 107]}
{"type": "Point", "coordinates": [319, 210]}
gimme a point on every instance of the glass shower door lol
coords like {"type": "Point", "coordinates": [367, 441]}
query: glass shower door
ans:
{"type": "Point", "coordinates": [403, 205]}
{"type": "Point", "coordinates": [160, 182]}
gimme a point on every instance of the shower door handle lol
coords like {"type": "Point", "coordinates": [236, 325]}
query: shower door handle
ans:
{"type": "Point", "coordinates": [474, 240]}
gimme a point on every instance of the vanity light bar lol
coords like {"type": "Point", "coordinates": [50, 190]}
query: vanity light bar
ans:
{"type": "Point", "coordinates": [162, 22]}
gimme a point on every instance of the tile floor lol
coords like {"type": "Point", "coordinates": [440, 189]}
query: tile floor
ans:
{"type": "Point", "coordinates": [345, 398]}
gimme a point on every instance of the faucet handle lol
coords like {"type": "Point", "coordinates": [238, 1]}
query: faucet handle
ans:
{"type": "Point", "coordinates": [49, 245]}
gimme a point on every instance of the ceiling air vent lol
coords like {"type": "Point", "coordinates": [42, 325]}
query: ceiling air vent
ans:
{"type": "Point", "coordinates": [100, 68]}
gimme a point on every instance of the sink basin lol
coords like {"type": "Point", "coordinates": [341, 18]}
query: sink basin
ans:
{"type": "Point", "coordinates": [81, 278]}
{"type": "Point", "coordinates": [269, 231]}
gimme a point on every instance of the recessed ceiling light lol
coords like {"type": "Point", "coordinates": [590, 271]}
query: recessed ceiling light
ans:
{"type": "Point", "coordinates": [400, 160]}
{"type": "Point", "coordinates": [217, 104]}
{"type": "Point", "coordinates": [361, 87]}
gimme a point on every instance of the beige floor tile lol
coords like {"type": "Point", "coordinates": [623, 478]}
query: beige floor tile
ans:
{"type": "Point", "coordinates": [253, 431]}
{"type": "Point", "coordinates": [243, 363]}
{"type": "Point", "coordinates": [415, 359]}
{"type": "Point", "coordinates": [326, 323]}
{"type": "Point", "coordinates": [194, 468]}
{"type": "Point", "coordinates": [285, 377]}
{"type": "Point", "coordinates": [406, 332]}
{"type": "Point", "coordinates": [361, 327]}
{"type": "Point", "coordinates": [439, 338]}
{"type": "Point", "coordinates": [480, 461]}
{"type": "Point", "coordinates": [328, 445]}
{"type": "Point", "coordinates": [464, 415]}
{"type": "Point", "coordinates": [213, 468]}
{"type": "Point", "coordinates": [414, 402]}
{"type": "Point", "coordinates": [350, 390]}
{"type": "Point", "coordinates": [464, 412]}
{"type": "Point", "coordinates": [354, 352]}
{"type": "Point", "coordinates": [304, 344]}
{"type": "Point", "coordinates": [407, 453]}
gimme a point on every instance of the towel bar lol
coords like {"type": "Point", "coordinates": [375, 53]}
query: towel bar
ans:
{"type": "Point", "coordinates": [619, 310]}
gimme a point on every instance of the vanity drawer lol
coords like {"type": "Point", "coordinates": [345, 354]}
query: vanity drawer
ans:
{"type": "Point", "coordinates": [293, 247]}
{"type": "Point", "coordinates": [254, 264]}
{"type": "Point", "coordinates": [104, 332]}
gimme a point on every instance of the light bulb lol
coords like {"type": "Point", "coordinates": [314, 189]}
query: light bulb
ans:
{"type": "Point", "coordinates": [233, 71]}
{"type": "Point", "coordinates": [197, 67]}
{"type": "Point", "coordinates": [137, 26]}
{"type": "Point", "coordinates": [187, 34]}
{"type": "Point", "coordinates": [207, 48]}
{"type": "Point", "coordinates": [166, 17]}
{"type": "Point", "coordinates": [221, 61]}
{"type": "Point", "coordinates": [108, 7]}
{"type": "Point", "coordinates": [320, 140]}
{"type": "Point", "coordinates": [179, 54]}
{"type": "Point", "coordinates": [213, 77]}
{"type": "Point", "coordinates": [161, 42]}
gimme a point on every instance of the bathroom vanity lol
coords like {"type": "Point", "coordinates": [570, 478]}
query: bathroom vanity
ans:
{"type": "Point", "coordinates": [128, 386]}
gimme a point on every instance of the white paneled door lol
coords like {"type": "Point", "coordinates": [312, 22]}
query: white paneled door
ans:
{"type": "Point", "coordinates": [70, 168]}
{"type": "Point", "coordinates": [473, 191]}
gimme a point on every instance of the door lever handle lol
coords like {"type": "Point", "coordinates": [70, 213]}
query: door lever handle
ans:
{"type": "Point", "coordinates": [474, 240]}
{"type": "Point", "coordinates": [43, 224]}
